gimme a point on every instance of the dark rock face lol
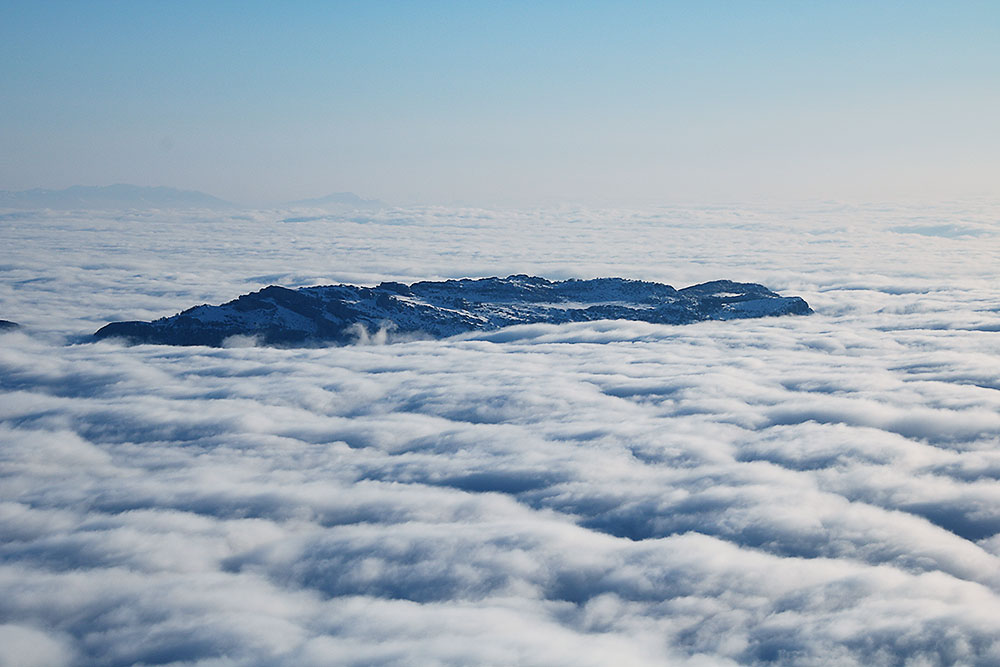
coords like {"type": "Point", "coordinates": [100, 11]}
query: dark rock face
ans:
{"type": "Point", "coordinates": [340, 314]}
{"type": "Point", "coordinates": [7, 325]}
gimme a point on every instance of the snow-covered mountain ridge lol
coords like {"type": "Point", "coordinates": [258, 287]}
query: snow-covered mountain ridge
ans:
{"type": "Point", "coordinates": [340, 314]}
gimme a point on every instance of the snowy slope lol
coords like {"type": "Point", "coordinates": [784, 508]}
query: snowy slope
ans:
{"type": "Point", "coordinates": [341, 313]}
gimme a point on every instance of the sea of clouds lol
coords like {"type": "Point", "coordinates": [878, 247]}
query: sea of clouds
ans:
{"type": "Point", "coordinates": [817, 490]}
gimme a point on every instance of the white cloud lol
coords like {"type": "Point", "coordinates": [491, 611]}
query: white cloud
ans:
{"type": "Point", "coordinates": [794, 490]}
{"type": "Point", "coordinates": [30, 647]}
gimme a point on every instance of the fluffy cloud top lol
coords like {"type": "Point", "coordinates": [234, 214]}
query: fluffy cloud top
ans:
{"type": "Point", "coordinates": [818, 490]}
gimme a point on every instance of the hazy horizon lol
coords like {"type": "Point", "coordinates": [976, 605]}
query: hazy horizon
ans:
{"type": "Point", "coordinates": [594, 202]}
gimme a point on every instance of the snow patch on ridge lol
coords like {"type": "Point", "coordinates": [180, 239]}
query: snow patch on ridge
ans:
{"type": "Point", "coordinates": [341, 314]}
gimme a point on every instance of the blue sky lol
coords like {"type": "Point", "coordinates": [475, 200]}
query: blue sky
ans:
{"type": "Point", "coordinates": [505, 102]}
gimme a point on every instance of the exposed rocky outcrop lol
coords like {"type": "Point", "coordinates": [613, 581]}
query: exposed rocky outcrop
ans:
{"type": "Point", "coordinates": [338, 314]}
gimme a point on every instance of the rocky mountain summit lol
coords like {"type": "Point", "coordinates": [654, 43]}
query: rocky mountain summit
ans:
{"type": "Point", "coordinates": [340, 314]}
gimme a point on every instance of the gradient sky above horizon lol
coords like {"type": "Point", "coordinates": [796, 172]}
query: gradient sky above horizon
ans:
{"type": "Point", "coordinates": [505, 103]}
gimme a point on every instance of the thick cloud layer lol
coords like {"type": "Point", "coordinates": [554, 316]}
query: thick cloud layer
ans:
{"type": "Point", "coordinates": [818, 490]}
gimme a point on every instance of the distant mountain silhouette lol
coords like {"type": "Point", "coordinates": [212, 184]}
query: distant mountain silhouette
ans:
{"type": "Point", "coordinates": [117, 196]}
{"type": "Point", "coordinates": [336, 199]}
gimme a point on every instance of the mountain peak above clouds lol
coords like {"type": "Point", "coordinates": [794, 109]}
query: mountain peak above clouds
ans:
{"type": "Point", "coordinates": [342, 314]}
{"type": "Point", "coordinates": [118, 196]}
